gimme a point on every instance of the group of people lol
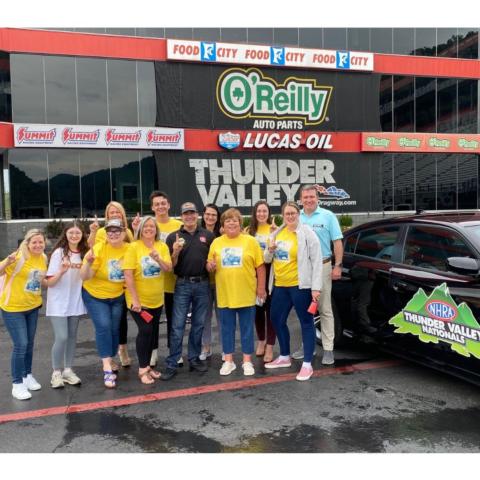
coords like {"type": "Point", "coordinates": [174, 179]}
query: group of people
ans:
{"type": "Point", "coordinates": [192, 268]}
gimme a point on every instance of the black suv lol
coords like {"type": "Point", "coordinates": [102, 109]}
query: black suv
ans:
{"type": "Point", "coordinates": [412, 285]}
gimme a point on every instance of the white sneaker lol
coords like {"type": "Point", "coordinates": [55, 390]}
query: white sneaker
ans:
{"type": "Point", "coordinates": [30, 382]}
{"type": "Point", "coordinates": [298, 355]}
{"type": "Point", "coordinates": [328, 358]}
{"type": "Point", "coordinates": [57, 380]}
{"type": "Point", "coordinates": [227, 368]}
{"type": "Point", "coordinates": [154, 358]}
{"type": "Point", "coordinates": [248, 369]}
{"type": "Point", "coordinates": [20, 391]}
{"type": "Point", "coordinates": [204, 355]}
{"type": "Point", "coordinates": [70, 377]}
{"type": "Point", "coordinates": [180, 361]}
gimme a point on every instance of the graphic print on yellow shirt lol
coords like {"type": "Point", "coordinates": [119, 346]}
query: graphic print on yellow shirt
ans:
{"type": "Point", "coordinates": [231, 257]}
{"type": "Point", "coordinates": [115, 272]}
{"type": "Point", "coordinates": [285, 259]}
{"type": "Point", "coordinates": [33, 282]}
{"type": "Point", "coordinates": [262, 235]}
{"type": "Point", "coordinates": [149, 267]}
{"type": "Point", "coordinates": [108, 281]}
{"type": "Point", "coordinates": [165, 229]}
{"type": "Point", "coordinates": [235, 277]}
{"type": "Point", "coordinates": [25, 289]}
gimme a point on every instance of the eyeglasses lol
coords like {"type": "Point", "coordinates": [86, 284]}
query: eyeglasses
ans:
{"type": "Point", "coordinates": [290, 214]}
{"type": "Point", "coordinates": [114, 232]}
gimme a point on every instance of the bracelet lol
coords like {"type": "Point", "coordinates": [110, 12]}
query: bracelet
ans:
{"type": "Point", "coordinates": [339, 265]}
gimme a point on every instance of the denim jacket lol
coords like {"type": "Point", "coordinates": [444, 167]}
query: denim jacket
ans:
{"type": "Point", "coordinates": [309, 258]}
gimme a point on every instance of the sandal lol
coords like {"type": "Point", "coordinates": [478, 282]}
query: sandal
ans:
{"type": "Point", "coordinates": [109, 379]}
{"type": "Point", "coordinates": [125, 359]}
{"type": "Point", "coordinates": [154, 374]}
{"type": "Point", "coordinates": [268, 357]}
{"type": "Point", "coordinates": [115, 367]}
{"type": "Point", "coordinates": [260, 348]}
{"type": "Point", "coordinates": [146, 378]}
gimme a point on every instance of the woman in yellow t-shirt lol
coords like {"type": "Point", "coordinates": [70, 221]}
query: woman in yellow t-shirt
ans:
{"type": "Point", "coordinates": [103, 293]}
{"type": "Point", "coordinates": [297, 270]}
{"type": "Point", "coordinates": [145, 262]}
{"type": "Point", "coordinates": [23, 275]}
{"type": "Point", "coordinates": [115, 210]}
{"type": "Point", "coordinates": [237, 261]}
{"type": "Point", "coordinates": [261, 227]}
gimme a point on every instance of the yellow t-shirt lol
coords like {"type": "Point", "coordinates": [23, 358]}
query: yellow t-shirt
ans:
{"type": "Point", "coordinates": [148, 275]}
{"type": "Point", "coordinates": [101, 235]}
{"type": "Point", "coordinates": [236, 279]}
{"type": "Point", "coordinates": [165, 228]}
{"type": "Point", "coordinates": [262, 236]}
{"type": "Point", "coordinates": [108, 281]}
{"type": "Point", "coordinates": [25, 289]}
{"type": "Point", "coordinates": [285, 264]}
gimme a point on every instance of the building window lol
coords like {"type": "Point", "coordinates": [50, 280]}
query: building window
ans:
{"type": "Point", "coordinates": [92, 91]}
{"type": "Point", "coordinates": [28, 88]}
{"type": "Point", "coordinates": [29, 183]}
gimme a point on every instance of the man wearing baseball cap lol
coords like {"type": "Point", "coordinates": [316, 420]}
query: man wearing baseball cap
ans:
{"type": "Point", "coordinates": [189, 248]}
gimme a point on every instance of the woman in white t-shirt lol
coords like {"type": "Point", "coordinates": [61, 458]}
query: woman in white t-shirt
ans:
{"type": "Point", "coordinates": [64, 301]}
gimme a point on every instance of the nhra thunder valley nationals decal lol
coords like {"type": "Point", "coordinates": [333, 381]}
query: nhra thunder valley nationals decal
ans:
{"type": "Point", "coordinates": [437, 318]}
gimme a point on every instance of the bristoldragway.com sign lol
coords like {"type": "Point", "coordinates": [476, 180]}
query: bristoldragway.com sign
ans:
{"type": "Point", "coordinates": [94, 136]}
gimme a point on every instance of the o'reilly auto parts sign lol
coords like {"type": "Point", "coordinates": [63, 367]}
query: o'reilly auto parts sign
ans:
{"type": "Point", "coordinates": [251, 94]}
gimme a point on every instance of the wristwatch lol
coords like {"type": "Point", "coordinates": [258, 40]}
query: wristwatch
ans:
{"type": "Point", "coordinates": [338, 265]}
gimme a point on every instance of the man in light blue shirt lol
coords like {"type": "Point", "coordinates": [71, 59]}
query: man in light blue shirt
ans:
{"type": "Point", "coordinates": [325, 224]}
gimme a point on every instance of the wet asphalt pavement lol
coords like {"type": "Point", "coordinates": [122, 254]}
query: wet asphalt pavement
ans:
{"type": "Point", "coordinates": [367, 402]}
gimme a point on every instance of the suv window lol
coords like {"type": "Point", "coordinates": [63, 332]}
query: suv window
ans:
{"type": "Point", "coordinates": [377, 242]}
{"type": "Point", "coordinates": [429, 247]}
{"type": "Point", "coordinates": [350, 243]}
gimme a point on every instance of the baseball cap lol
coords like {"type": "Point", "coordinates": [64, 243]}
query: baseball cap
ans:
{"type": "Point", "coordinates": [188, 207]}
{"type": "Point", "coordinates": [114, 223]}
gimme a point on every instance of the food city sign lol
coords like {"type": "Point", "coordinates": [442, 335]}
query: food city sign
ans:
{"type": "Point", "coordinates": [94, 136]}
{"type": "Point", "coordinates": [437, 318]}
{"type": "Point", "coordinates": [250, 94]}
{"type": "Point", "coordinates": [267, 55]}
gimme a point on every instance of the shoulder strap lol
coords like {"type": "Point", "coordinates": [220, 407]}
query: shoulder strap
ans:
{"type": "Point", "coordinates": [7, 285]}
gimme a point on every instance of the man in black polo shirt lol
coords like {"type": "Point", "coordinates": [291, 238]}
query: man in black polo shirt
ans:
{"type": "Point", "coordinates": [189, 248]}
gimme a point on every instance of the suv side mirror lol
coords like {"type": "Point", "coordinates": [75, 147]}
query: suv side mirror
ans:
{"type": "Point", "coordinates": [463, 265]}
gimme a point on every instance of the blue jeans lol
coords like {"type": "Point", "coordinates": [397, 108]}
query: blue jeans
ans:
{"type": "Point", "coordinates": [22, 327]}
{"type": "Point", "coordinates": [283, 299]}
{"type": "Point", "coordinates": [207, 329]}
{"type": "Point", "coordinates": [106, 315]}
{"type": "Point", "coordinates": [228, 319]}
{"type": "Point", "coordinates": [188, 293]}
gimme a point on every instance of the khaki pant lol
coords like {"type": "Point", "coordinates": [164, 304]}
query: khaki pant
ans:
{"type": "Point", "coordinates": [325, 308]}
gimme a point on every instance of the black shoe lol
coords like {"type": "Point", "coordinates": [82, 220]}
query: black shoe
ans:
{"type": "Point", "coordinates": [198, 366]}
{"type": "Point", "coordinates": [168, 374]}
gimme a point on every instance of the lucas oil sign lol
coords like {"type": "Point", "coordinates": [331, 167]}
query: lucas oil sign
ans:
{"type": "Point", "coordinates": [251, 94]}
{"type": "Point", "coordinates": [437, 318]}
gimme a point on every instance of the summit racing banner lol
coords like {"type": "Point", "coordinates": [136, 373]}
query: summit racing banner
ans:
{"type": "Point", "coordinates": [94, 136]}
{"type": "Point", "coordinates": [239, 179]}
{"type": "Point", "coordinates": [261, 98]}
